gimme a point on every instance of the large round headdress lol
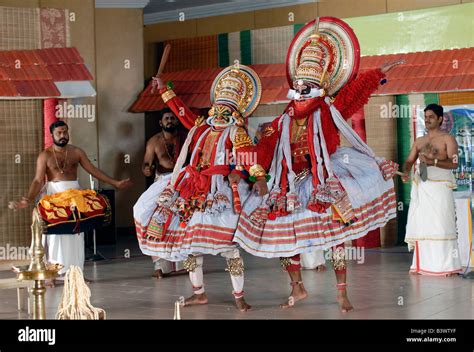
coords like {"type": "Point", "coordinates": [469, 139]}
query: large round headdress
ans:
{"type": "Point", "coordinates": [237, 87]}
{"type": "Point", "coordinates": [324, 53]}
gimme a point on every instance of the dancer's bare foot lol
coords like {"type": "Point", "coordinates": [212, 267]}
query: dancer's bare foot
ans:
{"type": "Point", "coordinates": [321, 268]}
{"type": "Point", "coordinates": [88, 281]}
{"type": "Point", "coordinates": [343, 301]}
{"type": "Point", "coordinates": [452, 274]}
{"type": "Point", "coordinates": [298, 293]}
{"type": "Point", "coordinates": [158, 274]}
{"type": "Point", "coordinates": [242, 305]}
{"type": "Point", "coordinates": [414, 273]}
{"type": "Point", "coordinates": [196, 300]}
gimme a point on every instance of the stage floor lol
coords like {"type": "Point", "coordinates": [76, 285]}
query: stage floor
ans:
{"type": "Point", "coordinates": [381, 288]}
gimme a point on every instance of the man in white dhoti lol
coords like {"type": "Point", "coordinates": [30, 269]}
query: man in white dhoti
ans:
{"type": "Point", "coordinates": [431, 226]}
{"type": "Point", "coordinates": [161, 153]}
{"type": "Point", "coordinates": [59, 164]}
{"type": "Point", "coordinates": [313, 260]}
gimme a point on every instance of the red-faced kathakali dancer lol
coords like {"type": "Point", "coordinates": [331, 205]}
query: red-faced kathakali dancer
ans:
{"type": "Point", "coordinates": [320, 195]}
{"type": "Point", "coordinates": [197, 207]}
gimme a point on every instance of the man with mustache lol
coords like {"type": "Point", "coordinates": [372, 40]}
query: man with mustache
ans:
{"type": "Point", "coordinates": [59, 164]}
{"type": "Point", "coordinates": [431, 225]}
{"type": "Point", "coordinates": [161, 153]}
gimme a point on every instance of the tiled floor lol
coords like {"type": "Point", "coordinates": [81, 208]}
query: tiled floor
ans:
{"type": "Point", "coordinates": [381, 288]}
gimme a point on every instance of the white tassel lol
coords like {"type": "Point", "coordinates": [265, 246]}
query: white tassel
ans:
{"type": "Point", "coordinates": [75, 300]}
{"type": "Point", "coordinates": [177, 311]}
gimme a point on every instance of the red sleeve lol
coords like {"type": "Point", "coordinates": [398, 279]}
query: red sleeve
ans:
{"type": "Point", "coordinates": [182, 112]}
{"type": "Point", "coordinates": [267, 144]}
{"type": "Point", "coordinates": [356, 94]}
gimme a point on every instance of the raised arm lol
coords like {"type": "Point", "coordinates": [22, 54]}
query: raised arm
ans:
{"type": "Point", "coordinates": [181, 110]}
{"type": "Point", "coordinates": [356, 94]}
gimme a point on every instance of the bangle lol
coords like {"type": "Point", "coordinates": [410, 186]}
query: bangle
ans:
{"type": "Point", "coordinates": [169, 94]}
{"type": "Point", "coordinates": [260, 178]}
{"type": "Point", "coordinates": [256, 170]}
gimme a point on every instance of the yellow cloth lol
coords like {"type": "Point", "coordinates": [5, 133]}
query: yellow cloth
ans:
{"type": "Point", "coordinates": [68, 198]}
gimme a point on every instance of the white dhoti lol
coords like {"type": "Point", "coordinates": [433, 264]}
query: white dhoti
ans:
{"type": "Point", "coordinates": [166, 266]}
{"type": "Point", "coordinates": [64, 249]}
{"type": "Point", "coordinates": [311, 260]}
{"type": "Point", "coordinates": [143, 210]}
{"type": "Point", "coordinates": [431, 226]}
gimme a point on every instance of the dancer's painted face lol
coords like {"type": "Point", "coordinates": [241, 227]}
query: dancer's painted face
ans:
{"type": "Point", "coordinates": [301, 86]}
{"type": "Point", "coordinates": [303, 89]}
{"type": "Point", "coordinates": [220, 117]}
{"type": "Point", "coordinates": [61, 136]}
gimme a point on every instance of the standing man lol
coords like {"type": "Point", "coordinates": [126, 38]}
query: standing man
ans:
{"type": "Point", "coordinates": [59, 164]}
{"type": "Point", "coordinates": [164, 146]}
{"type": "Point", "coordinates": [161, 153]}
{"type": "Point", "coordinates": [431, 226]}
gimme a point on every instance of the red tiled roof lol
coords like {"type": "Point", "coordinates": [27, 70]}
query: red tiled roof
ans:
{"type": "Point", "coordinates": [32, 73]}
{"type": "Point", "coordinates": [425, 72]}
{"type": "Point", "coordinates": [194, 86]}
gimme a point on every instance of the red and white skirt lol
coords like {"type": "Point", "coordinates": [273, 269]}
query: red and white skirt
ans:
{"type": "Point", "coordinates": [205, 233]}
{"type": "Point", "coordinates": [372, 198]}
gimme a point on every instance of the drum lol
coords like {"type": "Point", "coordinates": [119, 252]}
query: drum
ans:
{"type": "Point", "coordinates": [74, 211]}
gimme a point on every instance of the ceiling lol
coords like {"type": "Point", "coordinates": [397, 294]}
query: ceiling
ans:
{"type": "Point", "coordinates": [169, 10]}
{"type": "Point", "coordinates": [173, 5]}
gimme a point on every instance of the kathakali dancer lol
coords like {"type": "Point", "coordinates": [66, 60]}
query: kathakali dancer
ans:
{"type": "Point", "coordinates": [198, 205]}
{"type": "Point", "coordinates": [320, 195]}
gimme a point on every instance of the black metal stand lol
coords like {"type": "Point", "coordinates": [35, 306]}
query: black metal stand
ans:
{"type": "Point", "coordinates": [96, 255]}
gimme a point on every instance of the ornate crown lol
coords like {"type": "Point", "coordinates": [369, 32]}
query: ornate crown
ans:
{"type": "Point", "coordinates": [315, 60]}
{"type": "Point", "coordinates": [238, 88]}
{"type": "Point", "coordinates": [324, 53]}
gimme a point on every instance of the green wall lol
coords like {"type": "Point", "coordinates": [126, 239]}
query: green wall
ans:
{"type": "Point", "coordinates": [446, 27]}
